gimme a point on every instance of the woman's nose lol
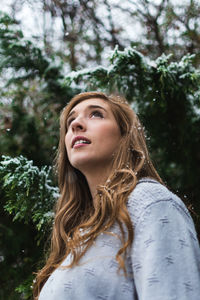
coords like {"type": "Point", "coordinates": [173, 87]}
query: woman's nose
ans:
{"type": "Point", "coordinates": [78, 125]}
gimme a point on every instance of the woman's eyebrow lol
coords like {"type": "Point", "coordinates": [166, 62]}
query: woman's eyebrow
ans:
{"type": "Point", "coordinates": [88, 107]}
{"type": "Point", "coordinates": [96, 106]}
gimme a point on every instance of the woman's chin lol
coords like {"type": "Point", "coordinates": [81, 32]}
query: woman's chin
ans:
{"type": "Point", "coordinates": [88, 165]}
{"type": "Point", "coordinates": [82, 163]}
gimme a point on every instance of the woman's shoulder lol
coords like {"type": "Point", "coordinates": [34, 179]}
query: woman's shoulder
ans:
{"type": "Point", "coordinates": [150, 193]}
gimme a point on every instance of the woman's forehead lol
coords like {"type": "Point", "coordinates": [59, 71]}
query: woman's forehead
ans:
{"type": "Point", "coordinates": [90, 102]}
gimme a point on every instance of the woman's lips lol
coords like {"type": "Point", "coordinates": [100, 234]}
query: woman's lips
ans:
{"type": "Point", "coordinates": [80, 140]}
{"type": "Point", "coordinates": [80, 145]}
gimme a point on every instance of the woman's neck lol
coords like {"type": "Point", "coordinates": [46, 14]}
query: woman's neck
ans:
{"type": "Point", "coordinates": [96, 177]}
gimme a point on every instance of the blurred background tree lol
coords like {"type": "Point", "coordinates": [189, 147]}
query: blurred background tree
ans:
{"type": "Point", "coordinates": [165, 27]}
{"type": "Point", "coordinates": [36, 85]}
{"type": "Point", "coordinates": [77, 31]}
{"type": "Point", "coordinates": [82, 31]}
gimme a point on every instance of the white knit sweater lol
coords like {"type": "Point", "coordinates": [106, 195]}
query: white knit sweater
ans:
{"type": "Point", "coordinates": [163, 263]}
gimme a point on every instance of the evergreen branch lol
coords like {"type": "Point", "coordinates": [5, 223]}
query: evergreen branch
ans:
{"type": "Point", "coordinates": [30, 193]}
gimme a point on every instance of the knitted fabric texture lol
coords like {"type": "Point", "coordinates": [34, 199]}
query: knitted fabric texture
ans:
{"type": "Point", "coordinates": [162, 264]}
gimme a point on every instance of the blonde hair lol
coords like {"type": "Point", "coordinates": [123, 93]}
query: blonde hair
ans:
{"type": "Point", "coordinates": [79, 219]}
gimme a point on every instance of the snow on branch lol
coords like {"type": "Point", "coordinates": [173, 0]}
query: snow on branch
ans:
{"type": "Point", "coordinates": [29, 190]}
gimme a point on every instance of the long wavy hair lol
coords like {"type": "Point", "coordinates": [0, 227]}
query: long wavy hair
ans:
{"type": "Point", "coordinates": [79, 219]}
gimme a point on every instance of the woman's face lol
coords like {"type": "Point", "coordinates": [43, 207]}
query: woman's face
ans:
{"type": "Point", "coordinates": [92, 136]}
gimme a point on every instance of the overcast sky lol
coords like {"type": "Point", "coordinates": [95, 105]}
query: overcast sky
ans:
{"type": "Point", "coordinates": [32, 21]}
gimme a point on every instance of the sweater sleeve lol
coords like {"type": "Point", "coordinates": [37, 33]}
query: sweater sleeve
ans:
{"type": "Point", "coordinates": [165, 255]}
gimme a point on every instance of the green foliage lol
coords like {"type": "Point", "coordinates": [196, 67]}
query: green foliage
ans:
{"type": "Point", "coordinates": [18, 53]}
{"type": "Point", "coordinates": [131, 74]}
{"type": "Point", "coordinates": [25, 289]}
{"type": "Point", "coordinates": [29, 197]}
{"type": "Point", "coordinates": [19, 254]}
{"type": "Point", "coordinates": [29, 190]}
{"type": "Point", "coordinates": [127, 73]}
{"type": "Point", "coordinates": [31, 96]}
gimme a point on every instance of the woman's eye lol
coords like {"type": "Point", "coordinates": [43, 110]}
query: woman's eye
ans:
{"type": "Point", "coordinates": [69, 122]}
{"type": "Point", "coordinates": [97, 113]}
{"type": "Point", "coordinates": [94, 113]}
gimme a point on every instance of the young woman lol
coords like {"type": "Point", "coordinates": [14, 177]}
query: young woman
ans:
{"type": "Point", "coordinates": [119, 233]}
